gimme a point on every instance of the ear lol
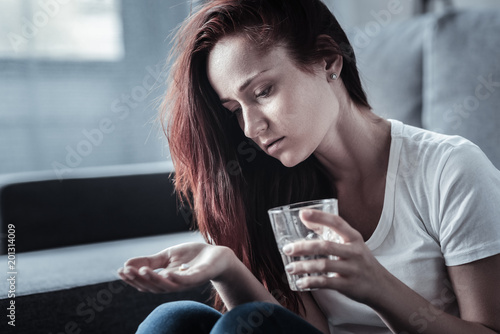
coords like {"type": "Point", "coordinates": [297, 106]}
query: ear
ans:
{"type": "Point", "coordinates": [332, 60]}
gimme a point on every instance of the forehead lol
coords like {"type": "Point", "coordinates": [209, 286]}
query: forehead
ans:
{"type": "Point", "coordinates": [234, 58]}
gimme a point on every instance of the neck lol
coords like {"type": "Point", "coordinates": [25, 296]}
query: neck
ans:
{"type": "Point", "coordinates": [356, 147]}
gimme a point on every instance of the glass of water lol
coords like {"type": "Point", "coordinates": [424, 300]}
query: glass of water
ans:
{"type": "Point", "coordinates": [288, 228]}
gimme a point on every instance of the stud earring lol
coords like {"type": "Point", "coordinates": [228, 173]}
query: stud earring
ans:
{"type": "Point", "coordinates": [333, 76]}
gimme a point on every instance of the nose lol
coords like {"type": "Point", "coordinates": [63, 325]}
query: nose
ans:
{"type": "Point", "coordinates": [254, 122]}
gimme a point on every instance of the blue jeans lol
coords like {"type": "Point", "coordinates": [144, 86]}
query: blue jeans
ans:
{"type": "Point", "coordinates": [188, 317]}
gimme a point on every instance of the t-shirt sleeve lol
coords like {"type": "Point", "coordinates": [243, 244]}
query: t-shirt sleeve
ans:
{"type": "Point", "coordinates": [469, 204]}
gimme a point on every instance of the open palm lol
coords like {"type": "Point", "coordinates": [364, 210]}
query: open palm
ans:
{"type": "Point", "coordinates": [161, 272]}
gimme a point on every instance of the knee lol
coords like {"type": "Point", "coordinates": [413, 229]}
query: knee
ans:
{"type": "Point", "coordinates": [247, 318]}
{"type": "Point", "coordinates": [180, 307]}
{"type": "Point", "coordinates": [174, 316]}
{"type": "Point", "coordinates": [254, 309]}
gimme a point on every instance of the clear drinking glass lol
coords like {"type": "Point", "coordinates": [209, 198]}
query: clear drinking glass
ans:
{"type": "Point", "coordinates": [288, 228]}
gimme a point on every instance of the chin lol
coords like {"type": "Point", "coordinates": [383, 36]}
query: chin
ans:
{"type": "Point", "coordinates": [290, 161]}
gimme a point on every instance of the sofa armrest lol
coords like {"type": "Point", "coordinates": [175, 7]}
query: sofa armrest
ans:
{"type": "Point", "coordinates": [94, 205]}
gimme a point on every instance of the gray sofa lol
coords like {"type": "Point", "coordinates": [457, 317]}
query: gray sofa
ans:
{"type": "Point", "coordinates": [439, 71]}
{"type": "Point", "coordinates": [71, 235]}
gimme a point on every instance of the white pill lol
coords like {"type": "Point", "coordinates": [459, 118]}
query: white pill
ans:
{"type": "Point", "coordinates": [184, 266]}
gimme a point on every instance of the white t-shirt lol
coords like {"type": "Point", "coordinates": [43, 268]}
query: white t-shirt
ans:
{"type": "Point", "coordinates": [441, 208]}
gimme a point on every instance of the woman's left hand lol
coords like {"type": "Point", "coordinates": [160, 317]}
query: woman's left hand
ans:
{"type": "Point", "coordinates": [359, 275]}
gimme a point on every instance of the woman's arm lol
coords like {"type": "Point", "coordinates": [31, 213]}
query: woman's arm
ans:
{"type": "Point", "coordinates": [232, 279]}
{"type": "Point", "coordinates": [237, 285]}
{"type": "Point", "coordinates": [250, 289]}
{"type": "Point", "coordinates": [478, 297]}
{"type": "Point", "coordinates": [313, 314]}
{"type": "Point", "coordinates": [476, 288]}
{"type": "Point", "coordinates": [162, 272]}
{"type": "Point", "coordinates": [362, 278]}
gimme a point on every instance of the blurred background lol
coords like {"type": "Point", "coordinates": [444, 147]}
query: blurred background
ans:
{"type": "Point", "coordinates": [80, 80]}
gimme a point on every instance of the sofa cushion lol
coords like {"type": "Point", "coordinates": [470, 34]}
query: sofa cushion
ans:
{"type": "Point", "coordinates": [95, 205]}
{"type": "Point", "coordinates": [76, 289]}
{"type": "Point", "coordinates": [389, 60]}
{"type": "Point", "coordinates": [462, 78]}
{"type": "Point", "coordinates": [109, 307]}
{"type": "Point", "coordinates": [69, 267]}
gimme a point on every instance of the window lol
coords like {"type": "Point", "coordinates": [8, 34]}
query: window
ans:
{"type": "Point", "coordinates": [81, 30]}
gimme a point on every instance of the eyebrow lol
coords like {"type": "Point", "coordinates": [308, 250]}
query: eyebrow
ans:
{"type": "Point", "coordinates": [245, 84]}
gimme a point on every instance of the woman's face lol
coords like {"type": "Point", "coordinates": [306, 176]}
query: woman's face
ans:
{"type": "Point", "coordinates": [283, 109]}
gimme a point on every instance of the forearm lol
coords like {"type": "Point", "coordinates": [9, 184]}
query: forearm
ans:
{"type": "Point", "coordinates": [405, 311]}
{"type": "Point", "coordinates": [237, 285]}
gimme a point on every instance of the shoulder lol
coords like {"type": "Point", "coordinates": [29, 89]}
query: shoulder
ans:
{"type": "Point", "coordinates": [441, 173]}
{"type": "Point", "coordinates": [441, 155]}
{"type": "Point", "coordinates": [432, 141]}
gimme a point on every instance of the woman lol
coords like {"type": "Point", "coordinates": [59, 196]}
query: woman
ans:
{"type": "Point", "coordinates": [266, 108]}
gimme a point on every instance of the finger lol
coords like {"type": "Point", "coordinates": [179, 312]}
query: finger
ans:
{"type": "Point", "coordinates": [323, 265]}
{"type": "Point", "coordinates": [139, 280]}
{"type": "Point", "coordinates": [131, 282]}
{"type": "Point", "coordinates": [158, 282]}
{"type": "Point", "coordinates": [124, 274]}
{"type": "Point", "coordinates": [158, 260]}
{"type": "Point", "coordinates": [317, 247]}
{"type": "Point", "coordinates": [169, 280]}
{"type": "Point", "coordinates": [313, 218]}
{"type": "Point", "coordinates": [127, 274]}
{"type": "Point", "coordinates": [149, 279]}
{"type": "Point", "coordinates": [321, 282]}
{"type": "Point", "coordinates": [142, 280]}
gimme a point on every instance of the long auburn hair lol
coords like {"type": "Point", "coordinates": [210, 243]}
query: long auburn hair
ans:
{"type": "Point", "coordinates": [226, 179]}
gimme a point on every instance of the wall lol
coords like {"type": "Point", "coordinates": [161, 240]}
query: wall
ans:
{"type": "Point", "coordinates": [359, 12]}
{"type": "Point", "coordinates": [59, 115]}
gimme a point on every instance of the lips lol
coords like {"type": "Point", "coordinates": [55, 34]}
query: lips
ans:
{"type": "Point", "coordinates": [274, 142]}
{"type": "Point", "coordinates": [274, 145]}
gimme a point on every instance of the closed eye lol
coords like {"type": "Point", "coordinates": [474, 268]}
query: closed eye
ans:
{"type": "Point", "coordinates": [265, 92]}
